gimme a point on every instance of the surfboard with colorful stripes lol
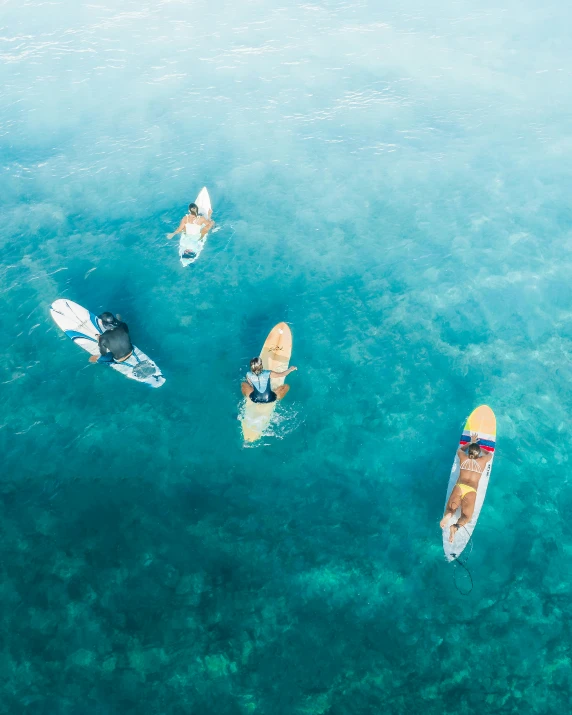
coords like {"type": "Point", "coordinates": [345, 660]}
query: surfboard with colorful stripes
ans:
{"type": "Point", "coordinates": [483, 421]}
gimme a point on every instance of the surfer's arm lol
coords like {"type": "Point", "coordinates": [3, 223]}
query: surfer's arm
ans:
{"type": "Point", "coordinates": [94, 358]}
{"type": "Point", "coordinates": [273, 373]}
{"type": "Point", "coordinates": [475, 439]}
{"type": "Point", "coordinates": [181, 227]}
{"type": "Point", "coordinates": [207, 224]}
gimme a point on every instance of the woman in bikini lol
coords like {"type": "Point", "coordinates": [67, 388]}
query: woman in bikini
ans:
{"type": "Point", "coordinates": [464, 492]}
{"type": "Point", "coordinates": [194, 226]}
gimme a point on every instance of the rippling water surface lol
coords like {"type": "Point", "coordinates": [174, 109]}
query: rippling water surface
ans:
{"type": "Point", "coordinates": [392, 180]}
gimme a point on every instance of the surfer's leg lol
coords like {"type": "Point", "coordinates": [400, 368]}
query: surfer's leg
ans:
{"type": "Point", "coordinates": [452, 505]}
{"type": "Point", "coordinates": [246, 388]}
{"type": "Point", "coordinates": [106, 359]}
{"type": "Point", "coordinates": [281, 390]}
{"type": "Point", "coordinates": [467, 508]}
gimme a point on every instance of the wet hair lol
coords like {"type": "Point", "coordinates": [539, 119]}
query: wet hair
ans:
{"type": "Point", "coordinates": [474, 450]}
{"type": "Point", "coordinates": [256, 365]}
{"type": "Point", "coordinates": [194, 209]}
{"type": "Point", "coordinates": [108, 320]}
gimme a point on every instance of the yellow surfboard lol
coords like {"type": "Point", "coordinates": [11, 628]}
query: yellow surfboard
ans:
{"type": "Point", "coordinates": [483, 421]}
{"type": "Point", "coordinates": [275, 355]}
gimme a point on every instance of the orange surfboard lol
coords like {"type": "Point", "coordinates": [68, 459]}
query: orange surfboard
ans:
{"type": "Point", "coordinates": [275, 355]}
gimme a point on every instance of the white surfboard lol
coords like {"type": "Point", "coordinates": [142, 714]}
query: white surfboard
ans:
{"type": "Point", "coordinates": [193, 243]}
{"type": "Point", "coordinates": [83, 327]}
{"type": "Point", "coordinates": [482, 420]}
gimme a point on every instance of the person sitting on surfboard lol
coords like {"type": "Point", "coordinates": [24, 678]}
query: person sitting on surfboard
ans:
{"type": "Point", "coordinates": [464, 492]}
{"type": "Point", "coordinates": [257, 385]}
{"type": "Point", "coordinates": [114, 343]}
{"type": "Point", "coordinates": [195, 226]}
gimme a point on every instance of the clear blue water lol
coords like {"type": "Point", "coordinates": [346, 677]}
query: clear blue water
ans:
{"type": "Point", "coordinates": [395, 182]}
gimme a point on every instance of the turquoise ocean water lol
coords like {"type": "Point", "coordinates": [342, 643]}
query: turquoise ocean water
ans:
{"type": "Point", "coordinates": [394, 181]}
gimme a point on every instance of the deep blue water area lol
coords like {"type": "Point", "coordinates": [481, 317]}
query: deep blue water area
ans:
{"type": "Point", "coordinates": [394, 181]}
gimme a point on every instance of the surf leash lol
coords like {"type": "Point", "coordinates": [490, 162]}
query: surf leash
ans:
{"type": "Point", "coordinates": [463, 564]}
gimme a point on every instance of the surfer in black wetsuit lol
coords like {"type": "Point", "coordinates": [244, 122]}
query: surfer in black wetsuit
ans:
{"type": "Point", "coordinates": [257, 384]}
{"type": "Point", "coordinates": [114, 343]}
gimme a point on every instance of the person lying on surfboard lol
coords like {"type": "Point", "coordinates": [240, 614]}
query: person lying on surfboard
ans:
{"type": "Point", "coordinates": [464, 492]}
{"type": "Point", "coordinates": [257, 384]}
{"type": "Point", "coordinates": [195, 226]}
{"type": "Point", "coordinates": [114, 343]}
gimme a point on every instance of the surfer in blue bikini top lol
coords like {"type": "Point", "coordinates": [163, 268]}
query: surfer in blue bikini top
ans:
{"type": "Point", "coordinates": [114, 343]}
{"type": "Point", "coordinates": [194, 225]}
{"type": "Point", "coordinates": [257, 384]}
